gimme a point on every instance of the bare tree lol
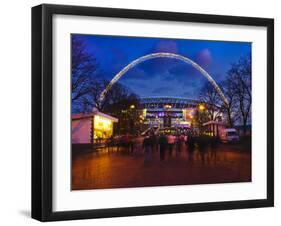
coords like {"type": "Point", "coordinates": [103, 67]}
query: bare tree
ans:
{"type": "Point", "coordinates": [200, 117]}
{"type": "Point", "coordinates": [212, 100]}
{"type": "Point", "coordinates": [92, 98]}
{"type": "Point", "coordinates": [229, 109]}
{"type": "Point", "coordinates": [240, 79]}
{"type": "Point", "coordinates": [118, 97]}
{"type": "Point", "coordinates": [123, 104]}
{"type": "Point", "coordinates": [83, 67]}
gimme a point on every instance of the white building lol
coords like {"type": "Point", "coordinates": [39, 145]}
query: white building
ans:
{"type": "Point", "coordinates": [87, 127]}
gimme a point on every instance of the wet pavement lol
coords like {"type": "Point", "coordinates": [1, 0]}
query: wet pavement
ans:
{"type": "Point", "coordinates": [122, 167]}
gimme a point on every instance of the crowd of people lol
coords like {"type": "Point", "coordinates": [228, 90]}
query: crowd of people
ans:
{"type": "Point", "coordinates": [161, 141]}
{"type": "Point", "coordinates": [165, 143]}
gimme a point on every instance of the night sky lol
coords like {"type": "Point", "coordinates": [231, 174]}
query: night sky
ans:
{"type": "Point", "coordinates": [163, 76]}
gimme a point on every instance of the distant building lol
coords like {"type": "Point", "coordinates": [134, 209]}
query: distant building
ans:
{"type": "Point", "coordinates": [168, 111]}
{"type": "Point", "coordinates": [214, 128]}
{"type": "Point", "coordinates": [87, 127]}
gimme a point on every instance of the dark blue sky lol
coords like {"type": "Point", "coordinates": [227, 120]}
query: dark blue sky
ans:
{"type": "Point", "coordinates": [163, 77]}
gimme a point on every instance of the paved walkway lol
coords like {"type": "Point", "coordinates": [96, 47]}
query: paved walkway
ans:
{"type": "Point", "coordinates": [112, 168]}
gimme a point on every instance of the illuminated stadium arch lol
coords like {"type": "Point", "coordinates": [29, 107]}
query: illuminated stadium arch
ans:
{"type": "Point", "coordinates": [163, 55]}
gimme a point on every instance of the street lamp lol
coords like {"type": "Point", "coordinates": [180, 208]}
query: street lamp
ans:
{"type": "Point", "coordinates": [201, 107]}
{"type": "Point", "coordinates": [132, 106]}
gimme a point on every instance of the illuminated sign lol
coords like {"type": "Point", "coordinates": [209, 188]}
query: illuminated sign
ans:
{"type": "Point", "coordinates": [102, 123]}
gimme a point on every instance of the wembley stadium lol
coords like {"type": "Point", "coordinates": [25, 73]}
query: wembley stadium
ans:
{"type": "Point", "coordinates": [168, 111]}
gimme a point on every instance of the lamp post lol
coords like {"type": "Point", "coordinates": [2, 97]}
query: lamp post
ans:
{"type": "Point", "coordinates": [201, 107]}
{"type": "Point", "coordinates": [200, 117]}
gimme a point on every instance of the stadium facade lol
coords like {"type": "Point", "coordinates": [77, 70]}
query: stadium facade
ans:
{"type": "Point", "coordinates": [168, 111]}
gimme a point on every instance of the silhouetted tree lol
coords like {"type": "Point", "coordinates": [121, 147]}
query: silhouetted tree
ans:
{"type": "Point", "coordinates": [240, 80]}
{"type": "Point", "coordinates": [230, 109]}
{"type": "Point", "coordinates": [212, 100]}
{"type": "Point", "coordinates": [123, 104]}
{"type": "Point", "coordinates": [92, 98]}
{"type": "Point", "coordinates": [86, 85]}
{"type": "Point", "coordinates": [83, 68]}
{"type": "Point", "coordinates": [200, 117]}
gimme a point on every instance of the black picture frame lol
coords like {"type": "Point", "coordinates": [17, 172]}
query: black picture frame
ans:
{"type": "Point", "coordinates": [42, 107]}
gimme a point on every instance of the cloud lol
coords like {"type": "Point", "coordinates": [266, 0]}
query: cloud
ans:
{"type": "Point", "coordinates": [136, 73]}
{"type": "Point", "coordinates": [156, 66]}
{"type": "Point", "coordinates": [143, 84]}
{"type": "Point", "coordinates": [191, 93]}
{"type": "Point", "coordinates": [159, 65]}
{"type": "Point", "coordinates": [162, 90]}
{"type": "Point", "coordinates": [168, 46]}
{"type": "Point", "coordinates": [204, 58]}
{"type": "Point", "coordinates": [166, 76]}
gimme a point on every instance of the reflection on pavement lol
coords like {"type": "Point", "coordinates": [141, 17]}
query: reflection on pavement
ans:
{"type": "Point", "coordinates": [121, 167]}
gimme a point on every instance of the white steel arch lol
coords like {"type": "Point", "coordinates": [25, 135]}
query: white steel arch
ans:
{"type": "Point", "coordinates": [163, 55]}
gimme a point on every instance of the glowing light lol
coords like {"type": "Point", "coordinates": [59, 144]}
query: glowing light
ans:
{"type": "Point", "coordinates": [102, 123]}
{"type": "Point", "coordinates": [165, 55]}
{"type": "Point", "coordinates": [144, 112]}
{"type": "Point", "coordinates": [132, 106]}
{"type": "Point", "coordinates": [167, 106]}
{"type": "Point", "coordinates": [201, 107]}
{"type": "Point", "coordinates": [185, 123]}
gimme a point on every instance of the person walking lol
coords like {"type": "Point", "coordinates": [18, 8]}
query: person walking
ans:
{"type": "Point", "coordinates": [147, 146]}
{"type": "Point", "coordinates": [163, 143]}
{"type": "Point", "coordinates": [154, 140]}
{"type": "Point", "coordinates": [190, 142]}
{"type": "Point", "coordinates": [110, 143]}
{"type": "Point", "coordinates": [171, 140]}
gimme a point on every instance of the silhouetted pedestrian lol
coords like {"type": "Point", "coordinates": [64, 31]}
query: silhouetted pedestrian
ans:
{"type": "Point", "coordinates": [147, 146]}
{"type": "Point", "coordinates": [110, 143]}
{"type": "Point", "coordinates": [154, 140]}
{"type": "Point", "coordinates": [171, 140]}
{"type": "Point", "coordinates": [190, 141]}
{"type": "Point", "coordinates": [163, 143]}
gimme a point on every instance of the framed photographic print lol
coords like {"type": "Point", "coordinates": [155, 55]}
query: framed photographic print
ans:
{"type": "Point", "coordinates": [146, 112]}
